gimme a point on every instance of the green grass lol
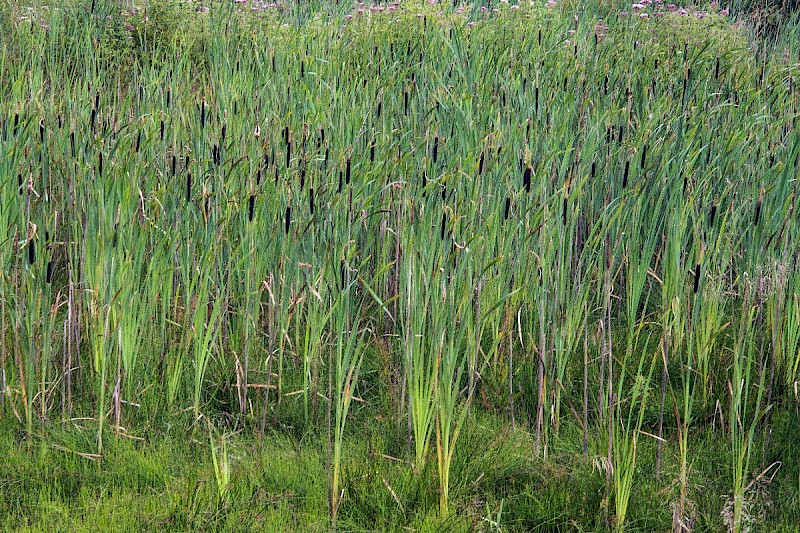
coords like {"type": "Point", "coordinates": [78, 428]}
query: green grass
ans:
{"type": "Point", "coordinates": [167, 483]}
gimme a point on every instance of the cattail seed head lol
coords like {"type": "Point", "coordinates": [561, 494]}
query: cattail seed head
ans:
{"type": "Point", "coordinates": [526, 179]}
{"type": "Point", "coordinates": [31, 251]}
{"type": "Point", "coordinates": [287, 219]}
{"type": "Point", "coordinates": [696, 278]}
{"type": "Point", "coordinates": [188, 187]}
{"type": "Point", "coordinates": [625, 174]}
{"type": "Point", "coordinates": [251, 207]}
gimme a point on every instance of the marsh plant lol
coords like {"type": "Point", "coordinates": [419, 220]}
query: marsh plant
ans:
{"type": "Point", "coordinates": [292, 216]}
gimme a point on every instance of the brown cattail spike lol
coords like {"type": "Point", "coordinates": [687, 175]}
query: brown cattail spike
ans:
{"type": "Point", "coordinates": [526, 179]}
{"type": "Point", "coordinates": [625, 174]}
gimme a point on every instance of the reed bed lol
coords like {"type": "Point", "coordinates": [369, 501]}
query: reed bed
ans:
{"type": "Point", "coordinates": [562, 214]}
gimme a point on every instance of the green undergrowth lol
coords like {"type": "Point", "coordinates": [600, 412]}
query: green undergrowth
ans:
{"type": "Point", "coordinates": [167, 483]}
